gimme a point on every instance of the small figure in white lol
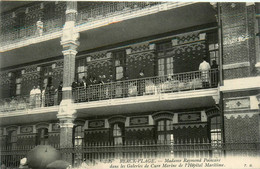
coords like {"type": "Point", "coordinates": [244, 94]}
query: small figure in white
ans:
{"type": "Point", "coordinates": [43, 96]}
{"type": "Point", "coordinates": [39, 25]}
{"type": "Point", "coordinates": [32, 97]}
{"type": "Point", "coordinates": [204, 69]}
{"type": "Point", "coordinates": [37, 92]}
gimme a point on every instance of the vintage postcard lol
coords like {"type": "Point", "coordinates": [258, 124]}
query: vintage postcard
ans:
{"type": "Point", "coordinates": [129, 84]}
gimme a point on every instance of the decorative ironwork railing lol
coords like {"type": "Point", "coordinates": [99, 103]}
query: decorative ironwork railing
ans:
{"type": "Point", "coordinates": [121, 89]}
{"type": "Point", "coordinates": [90, 13]}
{"type": "Point", "coordinates": [107, 9]}
{"type": "Point", "coordinates": [98, 152]}
{"type": "Point", "coordinates": [147, 86]}
{"type": "Point", "coordinates": [32, 31]}
{"type": "Point", "coordinates": [30, 102]}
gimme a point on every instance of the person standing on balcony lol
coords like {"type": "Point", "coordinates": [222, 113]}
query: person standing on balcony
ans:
{"type": "Point", "coordinates": [82, 89]}
{"type": "Point", "coordinates": [204, 68]}
{"type": "Point", "coordinates": [140, 83]}
{"type": "Point", "coordinates": [74, 90]}
{"type": "Point", "coordinates": [39, 25]}
{"type": "Point", "coordinates": [60, 92]}
{"type": "Point", "coordinates": [51, 94]}
{"type": "Point", "coordinates": [38, 96]}
{"type": "Point", "coordinates": [102, 86]}
{"type": "Point", "coordinates": [214, 74]}
{"type": "Point", "coordinates": [43, 95]}
{"type": "Point", "coordinates": [32, 97]}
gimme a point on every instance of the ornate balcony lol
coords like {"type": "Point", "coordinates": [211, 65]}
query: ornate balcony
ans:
{"type": "Point", "coordinates": [101, 10]}
{"type": "Point", "coordinates": [53, 22]}
{"type": "Point", "coordinates": [121, 89]}
{"type": "Point", "coordinates": [147, 86]}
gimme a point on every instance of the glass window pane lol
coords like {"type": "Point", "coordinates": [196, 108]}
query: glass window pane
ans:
{"type": "Point", "coordinates": [211, 47]}
{"type": "Point", "coordinates": [119, 73]}
{"type": "Point", "coordinates": [161, 125]}
{"type": "Point", "coordinates": [117, 63]}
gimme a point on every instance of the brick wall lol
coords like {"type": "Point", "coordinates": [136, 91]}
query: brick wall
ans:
{"type": "Point", "coordinates": [252, 38]}
{"type": "Point", "coordinates": [242, 129]}
{"type": "Point", "coordinates": [238, 39]}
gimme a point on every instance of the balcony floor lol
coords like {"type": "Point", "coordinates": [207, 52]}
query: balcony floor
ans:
{"type": "Point", "coordinates": [130, 105]}
{"type": "Point", "coordinates": [149, 103]}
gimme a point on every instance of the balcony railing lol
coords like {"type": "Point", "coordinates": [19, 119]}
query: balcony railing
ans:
{"type": "Point", "coordinates": [107, 9]}
{"type": "Point", "coordinates": [33, 101]}
{"type": "Point", "coordinates": [147, 86]}
{"type": "Point", "coordinates": [101, 151]}
{"type": "Point", "coordinates": [28, 32]}
{"type": "Point", "coordinates": [90, 13]}
{"type": "Point", "coordinates": [120, 89]}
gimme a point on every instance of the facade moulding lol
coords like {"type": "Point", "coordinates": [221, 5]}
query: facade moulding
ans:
{"type": "Point", "coordinates": [34, 40]}
{"type": "Point", "coordinates": [96, 131]}
{"type": "Point", "coordinates": [241, 84]}
{"type": "Point", "coordinates": [11, 128]}
{"type": "Point", "coordinates": [189, 125]}
{"type": "Point", "coordinates": [127, 15]}
{"type": "Point", "coordinates": [79, 122]}
{"type": "Point", "coordinates": [236, 65]}
{"type": "Point", "coordinates": [139, 128]}
{"type": "Point", "coordinates": [118, 118]}
{"type": "Point", "coordinates": [241, 103]}
{"type": "Point", "coordinates": [240, 115]}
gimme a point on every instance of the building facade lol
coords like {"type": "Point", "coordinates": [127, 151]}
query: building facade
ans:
{"type": "Point", "coordinates": [105, 80]}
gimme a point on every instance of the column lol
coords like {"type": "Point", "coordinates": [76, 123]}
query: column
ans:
{"type": "Point", "coordinates": [67, 112]}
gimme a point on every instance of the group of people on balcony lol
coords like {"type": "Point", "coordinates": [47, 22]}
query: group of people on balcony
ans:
{"type": "Point", "coordinates": [92, 89]}
{"type": "Point", "coordinates": [79, 88]}
{"type": "Point", "coordinates": [208, 78]}
{"type": "Point", "coordinates": [47, 97]}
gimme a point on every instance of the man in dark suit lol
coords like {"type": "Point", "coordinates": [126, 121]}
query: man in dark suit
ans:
{"type": "Point", "coordinates": [60, 92]}
{"type": "Point", "coordinates": [74, 90]}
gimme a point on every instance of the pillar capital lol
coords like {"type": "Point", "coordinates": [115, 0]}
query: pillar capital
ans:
{"type": "Point", "coordinates": [70, 52]}
{"type": "Point", "coordinates": [67, 113]}
{"type": "Point", "coordinates": [70, 36]}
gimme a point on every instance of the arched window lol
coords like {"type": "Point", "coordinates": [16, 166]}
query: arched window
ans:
{"type": "Point", "coordinates": [78, 136]}
{"type": "Point", "coordinates": [215, 135]}
{"type": "Point", "coordinates": [164, 134]}
{"type": "Point", "coordinates": [118, 133]}
{"type": "Point", "coordinates": [12, 139]}
{"type": "Point", "coordinates": [42, 136]}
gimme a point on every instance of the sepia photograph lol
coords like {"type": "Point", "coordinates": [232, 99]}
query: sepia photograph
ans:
{"type": "Point", "coordinates": [129, 84]}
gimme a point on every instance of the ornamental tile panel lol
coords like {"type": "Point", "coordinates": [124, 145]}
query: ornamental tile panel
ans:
{"type": "Point", "coordinates": [189, 117]}
{"type": "Point", "coordinates": [240, 103]}
{"type": "Point", "coordinates": [96, 124]}
{"type": "Point", "coordinates": [139, 120]}
{"type": "Point", "coordinates": [26, 129]}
